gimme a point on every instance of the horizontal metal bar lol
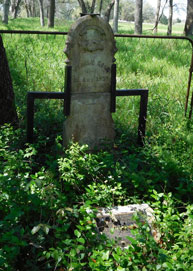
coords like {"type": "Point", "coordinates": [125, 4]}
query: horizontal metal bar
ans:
{"type": "Point", "coordinates": [47, 95]}
{"type": "Point", "coordinates": [32, 32]}
{"type": "Point", "coordinates": [116, 35]}
{"type": "Point", "coordinates": [154, 37]}
{"type": "Point", "coordinates": [131, 92]}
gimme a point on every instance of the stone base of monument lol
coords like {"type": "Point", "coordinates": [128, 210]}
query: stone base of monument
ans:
{"type": "Point", "coordinates": [117, 222]}
{"type": "Point", "coordinates": [90, 121]}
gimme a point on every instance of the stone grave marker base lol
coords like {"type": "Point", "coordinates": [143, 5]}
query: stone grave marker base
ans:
{"type": "Point", "coordinates": [117, 222]}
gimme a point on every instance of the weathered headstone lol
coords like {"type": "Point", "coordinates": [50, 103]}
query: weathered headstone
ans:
{"type": "Point", "coordinates": [117, 222]}
{"type": "Point", "coordinates": [90, 50]}
{"type": "Point", "coordinates": [7, 106]}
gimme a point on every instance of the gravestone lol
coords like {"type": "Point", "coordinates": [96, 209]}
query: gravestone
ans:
{"type": "Point", "coordinates": [117, 222]}
{"type": "Point", "coordinates": [90, 50]}
{"type": "Point", "coordinates": [7, 106]}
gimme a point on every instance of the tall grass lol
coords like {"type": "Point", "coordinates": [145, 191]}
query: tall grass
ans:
{"type": "Point", "coordinates": [128, 27]}
{"type": "Point", "coordinates": [162, 67]}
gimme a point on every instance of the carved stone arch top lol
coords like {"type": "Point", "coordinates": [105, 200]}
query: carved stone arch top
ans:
{"type": "Point", "coordinates": [91, 39]}
{"type": "Point", "coordinates": [91, 28]}
{"type": "Point", "coordinates": [90, 49]}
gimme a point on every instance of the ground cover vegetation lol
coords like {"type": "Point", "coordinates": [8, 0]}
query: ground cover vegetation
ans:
{"type": "Point", "coordinates": [49, 196]}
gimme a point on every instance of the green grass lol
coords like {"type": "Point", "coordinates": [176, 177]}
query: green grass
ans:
{"type": "Point", "coordinates": [46, 191]}
{"type": "Point", "coordinates": [34, 24]}
{"type": "Point", "coordinates": [128, 27]}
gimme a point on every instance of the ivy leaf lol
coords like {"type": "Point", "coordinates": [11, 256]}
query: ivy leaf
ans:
{"type": "Point", "coordinates": [45, 228]}
{"type": "Point", "coordinates": [105, 255]}
{"type": "Point", "coordinates": [36, 229]}
{"type": "Point", "coordinates": [77, 233]}
{"type": "Point", "coordinates": [120, 268]}
{"type": "Point", "coordinates": [115, 256]}
{"type": "Point", "coordinates": [81, 240]}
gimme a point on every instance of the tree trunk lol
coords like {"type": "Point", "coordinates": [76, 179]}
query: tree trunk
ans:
{"type": "Point", "coordinates": [12, 7]}
{"type": "Point", "coordinates": [108, 11]}
{"type": "Point", "coordinates": [93, 6]}
{"type": "Point", "coordinates": [138, 16]}
{"type": "Point", "coordinates": [101, 6]}
{"type": "Point", "coordinates": [30, 10]}
{"type": "Point", "coordinates": [82, 6]}
{"type": "Point", "coordinates": [6, 11]}
{"type": "Point", "coordinates": [189, 18]}
{"type": "Point", "coordinates": [7, 105]}
{"type": "Point", "coordinates": [51, 13]}
{"type": "Point", "coordinates": [16, 9]}
{"type": "Point", "coordinates": [116, 16]}
{"type": "Point", "coordinates": [41, 12]}
{"type": "Point", "coordinates": [33, 8]}
{"type": "Point", "coordinates": [170, 18]}
{"type": "Point", "coordinates": [27, 8]}
{"type": "Point", "coordinates": [157, 16]}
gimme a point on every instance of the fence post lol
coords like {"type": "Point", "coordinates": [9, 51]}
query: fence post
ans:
{"type": "Point", "coordinates": [113, 88]}
{"type": "Point", "coordinates": [30, 117]}
{"type": "Point", "coordinates": [142, 117]}
{"type": "Point", "coordinates": [68, 75]}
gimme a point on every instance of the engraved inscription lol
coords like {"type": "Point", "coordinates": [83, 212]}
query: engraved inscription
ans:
{"type": "Point", "coordinates": [91, 39]}
{"type": "Point", "coordinates": [90, 74]}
